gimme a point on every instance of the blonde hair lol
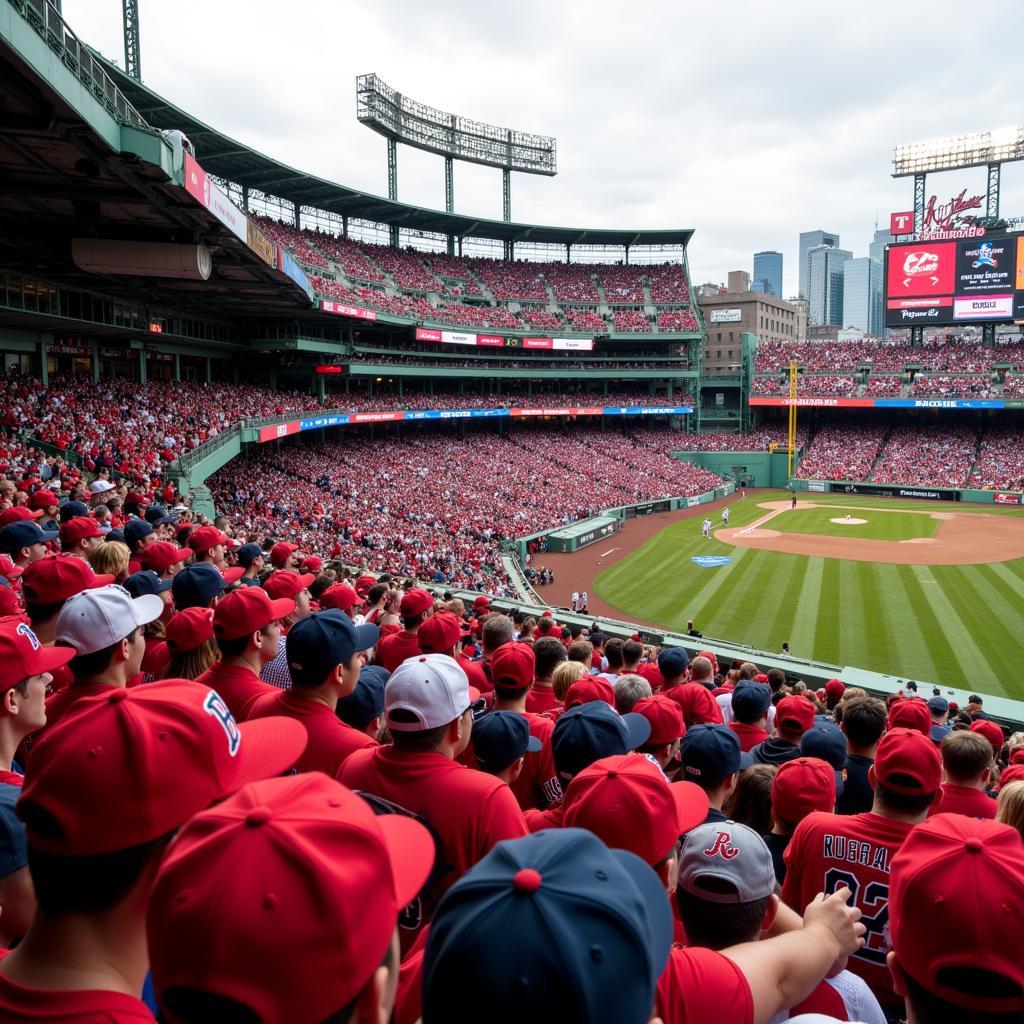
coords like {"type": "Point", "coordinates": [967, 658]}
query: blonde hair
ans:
{"type": "Point", "coordinates": [193, 663]}
{"type": "Point", "coordinates": [1010, 810]}
{"type": "Point", "coordinates": [111, 557]}
{"type": "Point", "coordinates": [566, 673]}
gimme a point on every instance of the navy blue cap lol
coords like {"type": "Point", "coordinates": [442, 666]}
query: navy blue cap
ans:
{"type": "Point", "coordinates": [826, 742]}
{"type": "Point", "coordinates": [939, 732]}
{"type": "Point", "coordinates": [938, 705]}
{"type": "Point", "coordinates": [588, 732]}
{"type": "Point", "coordinates": [146, 582]}
{"type": "Point", "coordinates": [366, 701]}
{"type": "Point", "coordinates": [320, 642]}
{"type": "Point", "coordinates": [157, 515]}
{"type": "Point", "coordinates": [711, 753]}
{"type": "Point", "coordinates": [23, 534]}
{"type": "Point", "coordinates": [196, 586]}
{"type": "Point", "coordinates": [572, 919]}
{"type": "Point", "coordinates": [72, 509]}
{"type": "Point", "coordinates": [750, 701]}
{"type": "Point", "coordinates": [136, 529]}
{"type": "Point", "coordinates": [13, 841]}
{"type": "Point", "coordinates": [248, 553]}
{"type": "Point", "coordinates": [500, 738]}
{"type": "Point", "coordinates": [116, 534]}
{"type": "Point", "coordinates": [673, 661]}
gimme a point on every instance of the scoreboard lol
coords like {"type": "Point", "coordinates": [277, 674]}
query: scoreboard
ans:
{"type": "Point", "coordinates": [960, 281]}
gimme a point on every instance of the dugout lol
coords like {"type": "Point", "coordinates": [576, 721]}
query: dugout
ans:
{"type": "Point", "coordinates": [579, 535]}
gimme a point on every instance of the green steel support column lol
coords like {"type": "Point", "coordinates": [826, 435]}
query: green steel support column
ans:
{"type": "Point", "coordinates": [44, 369]}
{"type": "Point", "coordinates": [449, 185]}
{"type": "Point", "coordinates": [245, 198]}
{"type": "Point", "coordinates": [142, 366]}
{"type": "Point", "coordinates": [177, 366]}
{"type": "Point", "coordinates": [506, 194]}
{"type": "Point", "coordinates": [321, 388]}
{"type": "Point", "coordinates": [401, 390]}
{"type": "Point", "coordinates": [273, 380]}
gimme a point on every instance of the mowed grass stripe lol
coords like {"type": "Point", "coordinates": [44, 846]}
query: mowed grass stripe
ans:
{"type": "Point", "coordinates": [718, 595]}
{"type": "Point", "coordinates": [877, 628]}
{"type": "Point", "coordinates": [734, 608]}
{"type": "Point", "coordinates": [1009, 584]}
{"type": "Point", "coordinates": [802, 635]}
{"type": "Point", "coordinates": [902, 599]}
{"type": "Point", "coordinates": [853, 611]}
{"type": "Point", "coordinates": [956, 652]}
{"type": "Point", "coordinates": [785, 612]}
{"type": "Point", "coordinates": [828, 630]}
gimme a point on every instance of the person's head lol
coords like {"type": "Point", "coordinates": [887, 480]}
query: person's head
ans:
{"type": "Point", "coordinates": [254, 875]}
{"type": "Point", "coordinates": [496, 630]}
{"type": "Point", "coordinates": [711, 757]}
{"type": "Point", "coordinates": [363, 707]}
{"type": "Point", "coordinates": [208, 544]}
{"type": "Point", "coordinates": [632, 652]}
{"type": "Point", "coordinates": [747, 670]}
{"type": "Point", "coordinates": [164, 558]}
{"type": "Point", "coordinates": [25, 673]}
{"type": "Point", "coordinates": [992, 732]}
{"type": "Point", "coordinates": [415, 606]}
{"type": "Point", "coordinates": [834, 690]}
{"type": "Point", "coordinates": [51, 580]}
{"type": "Point", "coordinates": [428, 705]}
{"type": "Point", "coordinates": [104, 628]}
{"type": "Point", "coordinates": [323, 650]}
{"type": "Point", "coordinates": [696, 702]}
{"type": "Point", "coordinates": [750, 702]}
{"type": "Point", "coordinates": [864, 721]}
{"type": "Point", "coordinates": [111, 558]}
{"type": "Point", "coordinates": [199, 585]}
{"type": "Point", "coordinates": [583, 918]}
{"type": "Point", "coordinates": [247, 625]}
{"type": "Point", "coordinates": [776, 680]}
{"type": "Point", "coordinates": [794, 715]}
{"type": "Point", "coordinates": [801, 786]}
{"type": "Point", "coordinates": [910, 714]}
{"type": "Point", "coordinates": [25, 541]}
{"type": "Point", "coordinates": [587, 689]}
{"type": "Point", "coordinates": [549, 653]}
{"type": "Point", "coordinates": [294, 586]}
{"type": "Point", "coordinates": [956, 902]}
{"type": "Point", "coordinates": [81, 536]}
{"type": "Point", "coordinates": [613, 654]}
{"type": "Point", "coordinates": [501, 741]}
{"type": "Point", "coordinates": [701, 670]}
{"type": "Point", "coordinates": [629, 688]}
{"type": "Point", "coordinates": [906, 775]}
{"type": "Point", "coordinates": [88, 855]}
{"type": "Point", "coordinates": [581, 651]}
{"type": "Point", "coordinates": [1010, 810]}
{"type": "Point", "coordinates": [513, 666]}
{"type": "Point", "coordinates": [17, 895]}
{"type": "Point", "coordinates": [250, 558]}
{"type": "Point", "coordinates": [750, 803]}
{"type": "Point", "coordinates": [565, 674]}
{"type": "Point", "coordinates": [966, 759]}
{"type": "Point", "coordinates": [189, 637]}
{"type": "Point", "coordinates": [591, 731]}
{"type": "Point", "coordinates": [665, 718]}
{"type": "Point", "coordinates": [145, 581]}
{"type": "Point", "coordinates": [672, 664]}
{"type": "Point", "coordinates": [726, 889]}
{"type": "Point", "coordinates": [139, 534]}
{"type": "Point", "coordinates": [440, 634]}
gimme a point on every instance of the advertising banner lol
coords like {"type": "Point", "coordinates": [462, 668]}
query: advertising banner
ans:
{"type": "Point", "coordinates": [816, 403]}
{"type": "Point", "coordinates": [1007, 499]}
{"type": "Point", "coordinates": [259, 243]}
{"type": "Point", "coordinates": [329, 368]}
{"type": "Point", "coordinates": [427, 334]}
{"type": "Point", "coordinates": [939, 403]}
{"type": "Point", "coordinates": [341, 309]}
{"type": "Point", "coordinates": [816, 485]}
{"type": "Point", "coordinates": [726, 316]}
{"type": "Point", "coordinates": [894, 491]}
{"type": "Point", "coordinates": [901, 223]}
{"type": "Point", "coordinates": [324, 421]}
{"type": "Point", "coordinates": [287, 265]}
{"type": "Point", "coordinates": [272, 433]}
{"type": "Point", "coordinates": [375, 417]}
{"type": "Point", "coordinates": [983, 307]}
{"type": "Point", "coordinates": [985, 265]}
{"type": "Point", "coordinates": [1020, 264]}
{"type": "Point", "coordinates": [213, 198]}
{"type": "Point", "coordinates": [559, 411]}
{"type": "Point", "coordinates": [922, 269]}
{"type": "Point", "coordinates": [504, 341]}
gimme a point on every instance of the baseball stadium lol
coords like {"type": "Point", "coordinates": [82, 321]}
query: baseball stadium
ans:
{"type": "Point", "coordinates": [382, 584]}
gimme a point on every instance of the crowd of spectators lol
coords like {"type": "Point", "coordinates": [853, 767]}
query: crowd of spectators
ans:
{"type": "Point", "coordinates": [621, 285]}
{"type": "Point", "coordinates": [1013, 385]}
{"type": "Point", "coordinates": [405, 267]}
{"type": "Point", "coordinates": [571, 282]}
{"type": "Point", "coordinates": [999, 465]}
{"type": "Point", "coordinates": [538, 316]}
{"type": "Point", "coordinates": [924, 455]}
{"type": "Point", "coordinates": [678, 320]}
{"type": "Point", "coordinates": [627, 320]}
{"type": "Point", "coordinates": [842, 452]}
{"type": "Point", "coordinates": [959, 386]}
{"type": "Point", "coordinates": [890, 386]}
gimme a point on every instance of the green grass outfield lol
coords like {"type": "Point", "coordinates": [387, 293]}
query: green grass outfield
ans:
{"type": "Point", "coordinates": [901, 525]}
{"type": "Point", "coordinates": [957, 625]}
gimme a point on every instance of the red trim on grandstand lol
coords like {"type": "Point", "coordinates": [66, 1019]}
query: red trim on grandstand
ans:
{"type": "Point", "coordinates": [843, 403]}
{"type": "Point", "coordinates": [341, 309]}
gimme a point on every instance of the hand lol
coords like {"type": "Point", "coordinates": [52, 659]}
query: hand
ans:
{"type": "Point", "coordinates": [834, 915]}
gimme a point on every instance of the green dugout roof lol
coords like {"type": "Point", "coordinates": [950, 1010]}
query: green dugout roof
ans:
{"type": "Point", "coordinates": [585, 526]}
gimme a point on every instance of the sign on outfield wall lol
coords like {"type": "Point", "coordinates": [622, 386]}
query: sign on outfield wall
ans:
{"type": "Point", "coordinates": [1007, 499]}
{"type": "Point", "coordinates": [726, 316]}
{"type": "Point", "coordinates": [342, 309]}
{"type": "Point", "coordinates": [816, 485]}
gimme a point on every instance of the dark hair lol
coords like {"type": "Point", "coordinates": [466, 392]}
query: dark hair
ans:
{"type": "Point", "coordinates": [42, 612]}
{"type": "Point", "coordinates": [421, 741]}
{"type": "Point", "coordinates": [234, 647]}
{"type": "Point", "coordinates": [409, 621]}
{"type": "Point", "coordinates": [580, 650]}
{"type": "Point", "coordinates": [376, 592]}
{"type": "Point", "coordinates": [549, 652]}
{"type": "Point", "coordinates": [98, 661]}
{"type": "Point", "coordinates": [613, 652]}
{"type": "Point", "coordinates": [84, 885]}
{"type": "Point", "coordinates": [776, 679]}
{"type": "Point", "coordinates": [509, 692]}
{"type": "Point", "coordinates": [864, 721]}
{"type": "Point", "coordinates": [965, 755]}
{"type": "Point", "coordinates": [750, 803]}
{"type": "Point", "coordinates": [971, 980]}
{"type": "Point", "coordinates": [324, 579]}
{"type": "Point", "coordinates": [719, 925]}
{"type": "Point", "coordinates": [632, 651]}
{"type": "Point", "coordinates": [902, 803]}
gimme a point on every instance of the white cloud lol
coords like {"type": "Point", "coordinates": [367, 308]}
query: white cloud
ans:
{"type": "Point", "coordinates": [748, 122]}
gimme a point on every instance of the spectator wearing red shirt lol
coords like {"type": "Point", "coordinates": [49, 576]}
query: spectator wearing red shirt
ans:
{"type": "Point", "coordinates": [667, 728]}
{"type": "Point", "coordinates": [323, 652]}
{"type": "Point", "coordinates": [80, 536]}
{"type": "Point", "coordinates": [394, 649]}
{"type": "Point", "coordinates": [48, 583]}
{"type": "Point", "coordinates": [549, 654]}
{"type": "Point", "coordinates": [750, 704]}
{"type": "Point", "coordinates": [440, 634]}
{"type": "Point", "coordinates": [799, 787]}
{"type": "Point", "coordinates": [282, 555]}
{"type": "Point", "coordinates": [246, 626]}
{"type": "Point", "coordinates": [208, 544]}
{"type": "Point", "coordinates": [966, 768]}
{"type": "Point", "coordinates": [794, 715]}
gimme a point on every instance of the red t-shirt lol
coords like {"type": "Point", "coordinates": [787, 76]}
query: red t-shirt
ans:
{"type": "Point", "coordinates": [749, 735]}
{"type": "Point", "coordinates": [393, 649]}
{"type": "Point", "coordinates": [541, 699]}
{"type": "Point", "coordinates": [829, 851]}
{"type": "Point", "coordinates": [330, 739]}
{"type": "Point", "coordinates": [700, 985]}
{"type": "Point", "coordinates": [20, 1005]}
{"type": "Point", "coordinates": [538, 785]}
{"type": "Point", "coordinates": [239, 686]}
{"type": "Point", "coordinates": [475, 674]}
{"type": "Point", "coordinates": [650, 671]}
{"type": "Point", "coordinates": [965, 800]}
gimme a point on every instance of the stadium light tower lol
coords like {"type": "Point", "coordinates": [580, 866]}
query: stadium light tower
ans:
{"type": "Point", "coordinates": [132, 52]}
{"type": "Point", "coordinates": [400, 119]}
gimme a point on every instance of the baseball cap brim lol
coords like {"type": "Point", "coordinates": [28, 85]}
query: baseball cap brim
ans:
{"type": "Point", "coordinates": [746, 760]}
{"type": "Point", "coordinates": [366, 636]}
{"type": "Point", "coordinates": [232, 575]}
{"type": "Point", "coordinates": [269, 747]}
{"type": "Point", "coordinates": [102, 579]}
{"type": "Point", "coordinates": [281, 608]}
{"type": "Point", "coordinates": [691, 805]}
{"type": "Point", "coordinates": [147, 608]}
{"type": "Point", "coordinates": [411, 851]}
{"type": "Point", "coordinates": [48, 535]}
{"type": "Point", "coordinates": [49, 658]}
{"type": "Point", "coordinates": [638, 729]}
{"type": "Point", "coordinates": [164, 585]}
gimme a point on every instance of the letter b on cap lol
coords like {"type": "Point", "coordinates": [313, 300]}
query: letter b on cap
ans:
{"type": "Point", "coordinates": [214, 705]}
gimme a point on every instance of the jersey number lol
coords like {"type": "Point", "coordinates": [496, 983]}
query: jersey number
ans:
{"type": "Point", "coordinates": [874, 905]}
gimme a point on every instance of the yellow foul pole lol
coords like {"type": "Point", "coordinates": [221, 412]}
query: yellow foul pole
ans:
{"type": "Point", "coordinates": [792, 416]}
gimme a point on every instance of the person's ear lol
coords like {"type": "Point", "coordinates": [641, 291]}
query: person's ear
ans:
{"type": "Point", "coordinates": [872, 779]}
{"type": "Point", "coordinates": [770, 912]}
{"type": "Point", "coordinates": [899, 981]}
{"type": "Point", "coordinates": [10, 701]}
{"type": "Point", "coordinates": [372, 1003]}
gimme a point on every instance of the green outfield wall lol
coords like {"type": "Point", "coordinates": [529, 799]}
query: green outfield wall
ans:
{"type": "Point", "coordinates": [754, 469]}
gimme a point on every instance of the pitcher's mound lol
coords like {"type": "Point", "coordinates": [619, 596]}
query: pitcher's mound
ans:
{"type": "Point", "coordinates": [849, 521]}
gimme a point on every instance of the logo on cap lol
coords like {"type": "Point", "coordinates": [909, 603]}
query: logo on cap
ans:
{"type": "Point", "coordinates": [722, 847]}
{"type": "Point", "coordinates": [214, 705]}
{"type": "Point", "coordinates": [26, 631]}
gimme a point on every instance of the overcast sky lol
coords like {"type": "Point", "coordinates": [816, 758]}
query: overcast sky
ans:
{"type": "Point", "coordinates": [749, 122]}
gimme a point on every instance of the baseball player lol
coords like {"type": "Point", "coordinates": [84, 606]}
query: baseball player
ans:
{"type": "Point", "coordinates": [725, 516]}
{"type": "Point", "coordinates": [706, 528]}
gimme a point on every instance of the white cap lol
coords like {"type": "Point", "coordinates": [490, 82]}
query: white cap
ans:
{"type": "Point", "coordinates": [432, 687]}
{"type": "Point", "coordinates": [100, 487]}
{"type": "Point", "coordinates": [94, 619]}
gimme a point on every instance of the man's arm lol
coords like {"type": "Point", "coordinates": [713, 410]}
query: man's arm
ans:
{"type": "Point", "coordinates": [784, 970]}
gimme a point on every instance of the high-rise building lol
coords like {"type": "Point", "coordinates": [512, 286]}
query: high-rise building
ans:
{"type": "Point", "coordinates": [825, 284]}
{"type": "Point", "coordinates": [768, 273]}
{"type": "Point", "coordinates": [810, 240]}
{"type": "Point", "coordinates": [876, 250]}
{"type": "Point", "coordinates": [862, 295]}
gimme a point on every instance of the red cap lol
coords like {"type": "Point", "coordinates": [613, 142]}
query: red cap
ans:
{"type": "Point", "coordinates": [956, 902]}
{"type": "Point", "coordinates": [481, 604]}
{"type": "Point", "coordinates": [247, 610]}
{"type": "Point", "coordinates": [162, 554]}
{"type": "Point", "coordinates": [801, 786]}
{"type": "Point", "coordinates": [232, 575]}
{"type": "Point", "coordinates": [203, 538]}
{"type": "Point", "coordinates": [516, 664]}
{"type": "Point", "coordinates": [16, 513]}
{"type": "Point", "coordinates": [43, 499]}
{"type": "Point", "coordinates": [440, 633]}
{"type": "Point", "coordinates": [340, 595]}
{"type": "Point", "coordinates": [910, 714]}
{"type": "Point", "coordinates": [697, 704]}
{"type": "Point", "coordinates": [190, 628]}
{"type": "Point", "coordinates": [1013, 773]}
{"type": "Point", "coordinates": [415, 602]}
{"type": "Point", "coordinates": [365, 582]}
{"type": "Point", "coordinates": [126, 767]}
{"type": "Point", "coordinates": [22, 655]}
{"type": "Point", "coordinates": [665, 716]}
{"type": "Point", "coordinates": [629, 805]}
{"type": "Point", "coordinates": [280, 551]}
{"type": "Point", "coordinates": [55, 578]}
{"type": "Point", "coordinates": [1017, 755]}
{"type": "Point", "coordinates": [794, 713]}
{"type": "Point", "coordinates": [711, 657]}
{"type": "Point", "coordinates": [835, 688]}
{"type": "Point", "coordinates": [312, 563]}
{"type": "Point", "coordinates": [80, 528]}
{"type": "Point", "coordinates": [8, 569]}
{"type": "Point", "coordinates": [907, 762]}
{"type": "Point", "coordinates": [991, 732]}
{"type": "Point", "coordinates": [287, 584]}
{"type": "Point", "coordinates": [587, 689]}
{"type": "Point", "coordinates": [296, 863]}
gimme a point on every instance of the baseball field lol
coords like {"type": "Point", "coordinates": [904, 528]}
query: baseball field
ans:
{"type": "Point", "coordinates": [926, 590]}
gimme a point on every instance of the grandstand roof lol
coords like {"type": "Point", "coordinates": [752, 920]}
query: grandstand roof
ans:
{"type": "Point", "coordinates": [227, 158]}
